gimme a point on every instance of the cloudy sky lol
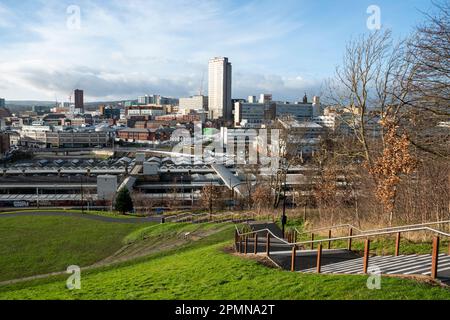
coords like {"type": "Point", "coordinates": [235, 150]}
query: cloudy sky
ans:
{"type": "Point", "coordinates": [123, 49]}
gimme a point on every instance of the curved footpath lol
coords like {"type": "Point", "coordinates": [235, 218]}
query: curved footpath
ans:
{"type": "Point", "coordinates": [80, 215]}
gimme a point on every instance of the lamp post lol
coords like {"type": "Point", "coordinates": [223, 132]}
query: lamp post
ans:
{"type": "Point", "coordinates": [231, 196]}
{"type": "Point", "coordinates": [82, 192]}
{"type": "Point", "coordinates": [284, 217]}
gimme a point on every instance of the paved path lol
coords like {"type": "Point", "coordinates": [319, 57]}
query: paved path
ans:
{"type": "Point", "coordinates": [404, 265]}
{"type": "Point", "coordinates": [80, 215]}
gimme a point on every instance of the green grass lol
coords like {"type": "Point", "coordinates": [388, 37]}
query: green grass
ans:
{"type": "Point", "coordinates": [202, 270]}
{"type": "Point", "coordinates": [110, 214]}
{"type": "Point", "coordinates": [164, 231]}
{"type": "Point", "coordinates": [42, 244]}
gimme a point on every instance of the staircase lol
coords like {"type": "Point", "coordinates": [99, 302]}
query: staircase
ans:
{"type": "Point", "coordinates": [266, 238]}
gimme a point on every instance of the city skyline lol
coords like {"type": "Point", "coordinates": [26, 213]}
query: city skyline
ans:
{"type": "Point", "coordinates": [123, 50]}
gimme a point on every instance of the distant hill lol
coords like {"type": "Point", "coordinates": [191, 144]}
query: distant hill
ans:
{"type": "Point", "coordinates": [29, 103]}
{"type": "Point", "coordinates": [24, 105]}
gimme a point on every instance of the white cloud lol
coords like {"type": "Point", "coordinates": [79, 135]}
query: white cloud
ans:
{"type": "Point", "coordinates": [126, 48]}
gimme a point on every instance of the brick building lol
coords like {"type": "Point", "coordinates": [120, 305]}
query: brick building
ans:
{"type": "Point", "coordinates": [4, 143]}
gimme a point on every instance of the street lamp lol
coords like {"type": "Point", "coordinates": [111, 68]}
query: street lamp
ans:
{"type": "Point", "coordinates": [231, 196]}
{"type": "Point", "coordinates": [284, 217]}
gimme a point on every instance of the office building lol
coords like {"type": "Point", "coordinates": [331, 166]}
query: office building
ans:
{"type": "Point", "coordinates": [254, 114]}
{"type": "Point", "coordinates": [252, 99]}
{"type": "Point", "coordinates": [79, 100]}
{"type": "Point", "coordinates": [193, 103]}
{"type": "Point", "coordinates": [219, 89]}
{"type": "Point", "coordinates": [145, 110]}
{"type": "Point", "coordinates": [248, 114]}
{"type": "Point", "coordinates": [145, 100]}
{"type": "Point", "coordinates": [264, 98]}
{"type": "Point", "coordinates": [51, 137]}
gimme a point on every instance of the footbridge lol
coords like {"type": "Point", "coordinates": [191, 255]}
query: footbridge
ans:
{"type": "Point", "coordinates": [229, 179]}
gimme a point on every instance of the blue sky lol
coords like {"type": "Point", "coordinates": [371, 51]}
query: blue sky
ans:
{"type": "Point", "coordinates": [128, 48]}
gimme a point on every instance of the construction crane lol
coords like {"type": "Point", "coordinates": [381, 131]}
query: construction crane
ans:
{"type": "Point", "coordinates": [70, 97]}
{"type": "Point", "coordinates": [200, 91]}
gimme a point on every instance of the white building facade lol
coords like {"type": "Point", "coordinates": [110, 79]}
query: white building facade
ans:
{"type": "Point", "coordinates": [193, 103]}
{"type": "Point", "coordinates": [219, 88]}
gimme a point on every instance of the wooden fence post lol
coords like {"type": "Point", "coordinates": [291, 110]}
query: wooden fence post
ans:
{"type": "Point", "coordinates": [435, 258]}
{"type": "Point", "coordinates": [350, 233]}
{"type": "Point", "coordinates": [246, 244]}
{"type": "Point", "coordinates": [293, 256]}
{"type": "Point", "coordinates": [295, 237]}
{"type": "Point", "coordinates": [268, 244]}
{"type": "Point", "coordinates": [366, 256]}
{"type": "Point", "coordinates": [312, 239]}
{"type": "Point", "coordinates": [397, 244]}
{"type": "Point", "coordinates": [255, 244]}
{"type": "Point", "coordinates": [329, 237]}
{"type": "Point", "coordinates": [319, 258]}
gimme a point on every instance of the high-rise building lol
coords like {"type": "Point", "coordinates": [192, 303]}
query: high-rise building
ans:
{"type": "Point", "coordinates": [79, 100]}
{"type": "Point", "coordinates": [252, 99]}
{"type": "Point", "coordinates": [219, 89]}
{"type": "Point", "coordinates": [265, 97]}
{"type": "Point", "coordinates": [2, 103]}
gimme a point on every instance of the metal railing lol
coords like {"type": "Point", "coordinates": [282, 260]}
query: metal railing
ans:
{"type": "Point", "coordinates": [206, 217]}
{"type": "Point", "coordinates": [244, 236]}
{"type": "Point", "coordinates": [350, 226]}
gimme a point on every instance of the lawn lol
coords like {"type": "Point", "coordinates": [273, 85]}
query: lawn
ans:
{"type": "Point", "coordinates": [111, 214]}
{"type": "Point", "coordinates": [203, 270]}
{"type": "Point", "coordinates": [43, 244]}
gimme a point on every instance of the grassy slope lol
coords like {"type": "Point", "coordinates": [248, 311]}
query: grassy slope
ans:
{"type": "Point", "coordinates": [201, 270]}
{"type": "Point", "coordinates": [35, 245]}
{"type": "Point", "coordinates": [91, 212]}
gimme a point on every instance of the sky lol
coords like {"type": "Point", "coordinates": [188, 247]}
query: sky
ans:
{"type": "Point", "coordinates": [123, 49]}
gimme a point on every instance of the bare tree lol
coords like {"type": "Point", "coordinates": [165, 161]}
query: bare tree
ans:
{"type": "Point", "coordinates": [289, 152]}
{"type": "Point", "coordinates": [430, 54]}
{"type": "Point", "coordinates": [262, 197]}
{"type": "Point", "coordinates": [373, 83]}
{"type": "Point", "coordinates": [210, 197]}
